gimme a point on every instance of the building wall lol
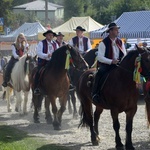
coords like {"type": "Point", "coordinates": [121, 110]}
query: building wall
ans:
{"type": "Point", "coordinates": [58, 14]}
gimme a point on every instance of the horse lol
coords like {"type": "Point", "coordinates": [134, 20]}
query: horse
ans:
{"type": "Point", "coordinates": [119, 94]}
{"type": "Point", "coordinates": [55, 84]}
{"type": "Point", "coordinates": [20, 82]}
{"type": "Point", "coordinates": [90, 58]}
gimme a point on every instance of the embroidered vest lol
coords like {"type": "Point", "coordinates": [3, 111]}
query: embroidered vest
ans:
{"type": "Point", "coordinates": [42, 62]}
{"type": "Point", "coordinates": [63, 43]}
{"type": "Point", "coordinates": [19, 52]}
{"type": "Point", "coordinates": [76, 42]}
{"type": "Point", "coordinates": [109, 49]}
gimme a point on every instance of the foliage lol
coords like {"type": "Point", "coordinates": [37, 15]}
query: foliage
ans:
{"type": "Point", "coordinates": [103, 11]}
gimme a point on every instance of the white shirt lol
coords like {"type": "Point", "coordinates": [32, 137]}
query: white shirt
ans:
{"type": "Point", "coordinates": [81, 45]}
{"type": "Point", "coordinates": [15, 55]}
{"type": "Point", "coordinates": [101, 52]}
{"type": "Point", "coordinates": [39, 50]}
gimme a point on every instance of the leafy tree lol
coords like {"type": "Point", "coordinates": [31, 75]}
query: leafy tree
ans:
{"type": "Point", "coordinates": [73, 8]}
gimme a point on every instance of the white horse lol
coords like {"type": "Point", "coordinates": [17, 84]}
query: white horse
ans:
{"type": "Point", "coordinates": [20, 82]}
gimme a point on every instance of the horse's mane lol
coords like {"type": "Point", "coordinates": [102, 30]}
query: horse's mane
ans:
{"type": "Point", "coordinates": [59, 56]}
{"type": "Point", "coordinates": [19, 75]}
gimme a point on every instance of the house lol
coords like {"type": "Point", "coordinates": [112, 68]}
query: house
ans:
{"type": "Point", "coordinates": [37, 8]}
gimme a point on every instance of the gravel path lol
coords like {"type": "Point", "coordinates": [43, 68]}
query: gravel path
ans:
{"type": "Point", "coordinates": [79, 138]}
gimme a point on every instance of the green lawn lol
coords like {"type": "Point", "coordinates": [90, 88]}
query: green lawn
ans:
{"type": "Point", "coordinates": [14, 139]}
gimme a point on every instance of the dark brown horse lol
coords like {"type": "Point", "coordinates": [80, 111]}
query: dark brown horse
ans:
{"type": "Point", "coordinates": [119, 94]}
{"type": "Point", "coordinates": [55, 84]}
{"type": "Point", "coordinates": [90, 58]}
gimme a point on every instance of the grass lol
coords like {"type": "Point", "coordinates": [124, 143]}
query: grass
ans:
{"type": "Point", "coordinates": [14, 139]}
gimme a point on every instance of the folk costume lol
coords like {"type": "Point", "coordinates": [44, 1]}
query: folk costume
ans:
{"type": "Point", "coordinates": [44, 48]}
{"type": "Point", "coordinates": [83, 43]}
{"type": "Point", "coordinates": [108, 50]}
{"type": "Point", "coordinates": [60, 43]}
{"type": "Point", "coordinates": [16, 54]}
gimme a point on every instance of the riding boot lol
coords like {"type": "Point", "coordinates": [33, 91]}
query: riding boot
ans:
{"type": "Point", "coordinates": [36, 82]}
{"type": "Point", "coordinates": [71, 87]}
{"type": "Point", "coordinates": [95, 89]}
{"type": "Point", "coordinates": [6, 80]}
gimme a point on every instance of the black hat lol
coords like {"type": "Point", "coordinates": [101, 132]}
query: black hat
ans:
{"type": "Point", "coordinates": [79, 28]}
{"type": "Point", "coordinates": [49, 31]}
{"type": "Point", "coordinates": [59, 33]}
{"type": "Point", "coordinates": [111, 25]}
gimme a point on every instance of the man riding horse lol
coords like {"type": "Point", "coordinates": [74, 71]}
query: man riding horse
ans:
{"type": "Point", "coordinates": [44, 52]}
{"type": "Point", "coordinates": [110, 52]}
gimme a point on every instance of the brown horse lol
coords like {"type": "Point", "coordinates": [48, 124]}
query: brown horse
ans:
{"type": "Point", "coordinates": [90, 58]}
{"type": "Point", "coordinates": [55, 83]}
{"type": "Point", "coordinates": [119, 94]}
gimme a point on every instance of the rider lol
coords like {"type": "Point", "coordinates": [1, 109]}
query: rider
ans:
{"type": "Point", "coordinates": [83, 43]}
{"type": "Point", "coordinates": [19, 47]}
{"type": "Point", "coordinates": [44, 52]}
{"type": "Point", "coordinates": [59, 39]}
{"type": "Point", "coordinates": [110, 52]}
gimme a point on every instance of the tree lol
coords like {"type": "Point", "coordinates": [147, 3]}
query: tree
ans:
{"type": "Point", "coordinates": [73, 8]}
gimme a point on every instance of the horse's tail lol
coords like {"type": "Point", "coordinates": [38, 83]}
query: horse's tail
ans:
{"type": "Point", "coordinates": [83, 93]}
{"type": "Point", "coordinates": [147, 100]}
{"type": "Point", "coordinates": [84, 122]}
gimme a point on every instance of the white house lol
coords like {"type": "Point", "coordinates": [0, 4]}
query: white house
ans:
{"type": "Point", "coordinates": [37, 8]}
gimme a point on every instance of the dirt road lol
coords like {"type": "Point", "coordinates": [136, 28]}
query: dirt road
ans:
{"type": "Point", "coordinates": [79, 138]}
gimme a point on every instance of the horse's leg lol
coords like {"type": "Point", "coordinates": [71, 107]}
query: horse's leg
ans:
{"type": "Point", "coordinates": [129, 121]}
{"type": "Point", "coordinates": [69, 103]}
{"type": "Point", "coordinates": [56, 123]}
{"type": "Point", "coordinates": [36, 100]}
{"type": "Point", "coordinates": [25, 102]}
{"type": "Point", "coordinates": [18, 102]}
{"type": "Point", "coordinates": [8, 93]}
{"type": "Point", "coordinates": [87, 118]}
{"type": "Point", "coordinates": [116, 126]}
{"type": "Point", "coordinates": [48, 115]}
{"type": "Point", "coordinates": [73, 99]}
{"type": "Point", "coordinates": [97, 114]}
{"type": "Point", "coordinates": [63, 101]}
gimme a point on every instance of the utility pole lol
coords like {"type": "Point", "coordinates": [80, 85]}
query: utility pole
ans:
{"type": "Point", "coordinates": [46, 12]}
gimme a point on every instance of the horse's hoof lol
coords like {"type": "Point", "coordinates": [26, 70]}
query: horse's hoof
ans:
{"type": "Point", "coordinates": [9, 110]}
{"type": "Point", "coordinates": [95, 143]}
{"type": "Point", "coordinates": [36, 121]}
{"type": "Point", "coordinates": [57, 128]}
{"type": "Point", "coordinates": [16, 109]}
{"type": "Point", "coordinates": [130, 148]}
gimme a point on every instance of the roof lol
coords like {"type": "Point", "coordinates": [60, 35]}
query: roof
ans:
{"type": "Point", "coordinates": [133, 25]}
{"type": "Point", "coordinates": [38, 5]}
{"type": "Point", "coordinates": [86, 22]}
{"type": "Point", "coordinates": [29, 29]}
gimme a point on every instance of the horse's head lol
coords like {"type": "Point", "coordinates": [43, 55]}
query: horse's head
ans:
{"type": "Point", "coordinates": [30, 63]}
{"type": "Point", "coordinates": [144, 53]}
{"type": "Point", "coordinates": [76, 59]}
